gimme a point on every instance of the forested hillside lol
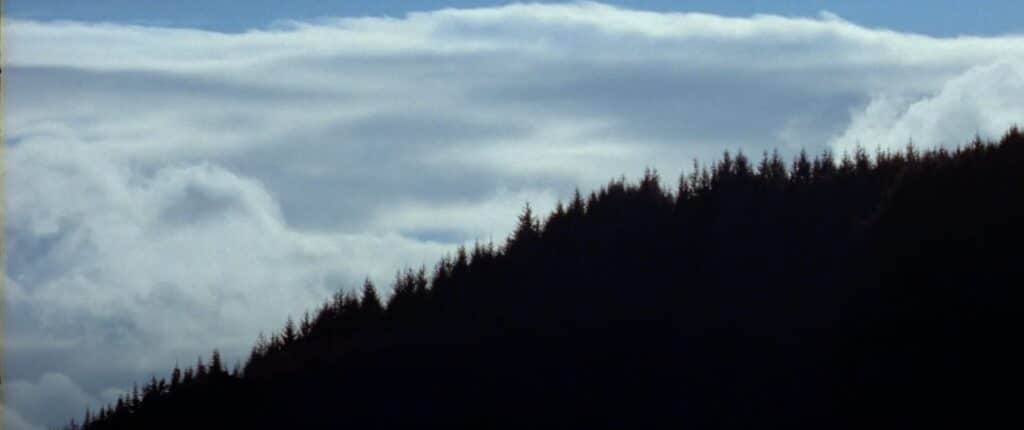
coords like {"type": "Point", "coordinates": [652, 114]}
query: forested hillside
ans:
{"type": "Point", "coordinates": [860, 291]}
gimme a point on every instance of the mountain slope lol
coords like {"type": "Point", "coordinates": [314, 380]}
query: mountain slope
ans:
{"type": "Point", "coordinates": [821, 294]}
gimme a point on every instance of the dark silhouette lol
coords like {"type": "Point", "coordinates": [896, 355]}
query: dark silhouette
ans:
{"type": "Point", "coordinates": [864, 292]}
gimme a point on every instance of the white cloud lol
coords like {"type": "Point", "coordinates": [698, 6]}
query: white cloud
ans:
{"type": "Point", "coordinates": [196, 237]}
{"type": "Point", "coordinates": [131, 270]}
{"type": "Point", "coordinates": [174, 190]}
{"type": "Point", "coordinates": [983, 100]}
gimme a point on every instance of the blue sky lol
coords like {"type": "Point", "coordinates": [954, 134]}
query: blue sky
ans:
{"type": "Point", "coordinates": [174, 185]}
{"type": "Point", "coordinates": [932, 17]}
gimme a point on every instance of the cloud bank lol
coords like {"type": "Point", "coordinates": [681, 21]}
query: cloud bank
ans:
{"type": "Point", "coordinates": [173, 190]}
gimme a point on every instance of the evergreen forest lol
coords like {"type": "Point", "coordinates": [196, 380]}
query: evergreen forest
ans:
{"type": "Point", "coordinates": [861, 290]}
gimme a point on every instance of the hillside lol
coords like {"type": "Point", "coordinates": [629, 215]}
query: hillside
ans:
{"type": "Point", "coordinates": [822, 293]}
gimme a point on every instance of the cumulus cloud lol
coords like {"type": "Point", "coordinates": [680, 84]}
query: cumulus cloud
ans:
{"type": "Point", "coordinates": [984, 100]}
{"type": "Point", "coordinates": [174, 190]}
{"type": "Point", "coordinates": [127, 270]}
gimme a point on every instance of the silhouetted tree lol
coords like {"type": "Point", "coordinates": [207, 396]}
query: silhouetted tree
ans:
{"type": "Point", "coordinates": [216, 366]}
{"type": "Point", "coordinates": [370, 305]}
{"type": "Point", "coordinates": [175, 378]}
{"type": "Point", "coordinates": [201, 370]}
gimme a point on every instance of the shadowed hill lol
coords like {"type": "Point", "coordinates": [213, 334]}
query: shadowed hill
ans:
{"type": "Point", "coordinates": [824, 293]}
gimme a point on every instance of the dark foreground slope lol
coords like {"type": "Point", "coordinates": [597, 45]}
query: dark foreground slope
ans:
{"type": "Point", "coordinates": [827, 294]}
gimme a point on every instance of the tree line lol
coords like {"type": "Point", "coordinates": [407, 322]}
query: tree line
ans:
{"type": "Point", "coordinates": [822, 292]}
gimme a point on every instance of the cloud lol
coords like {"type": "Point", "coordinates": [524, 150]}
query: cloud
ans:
{"type": "Point", "coordinates": [983, 101]}
{"type": "Point", "coordinates": [54, 394]}
{"type": "Point", "coordinates": [128, 270]}
{"type": "Point", "coordinates": [12, 420]}
{"type": "Point", "coordinates": [174, 190]}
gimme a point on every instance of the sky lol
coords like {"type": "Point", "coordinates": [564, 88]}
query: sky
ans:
{"type": "Point", "coordinates": [182, 178]}
{"type": "Point", "coordinates": [931, 17]}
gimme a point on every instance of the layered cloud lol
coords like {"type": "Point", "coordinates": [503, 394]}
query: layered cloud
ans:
{"type": "Point", "coordinates": [172, 190]}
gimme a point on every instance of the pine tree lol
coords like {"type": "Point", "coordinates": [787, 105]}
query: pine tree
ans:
{"type": "Point", "coordinates": [527, 232]}
{"type": "Point", "coordinates": [216, 366]}
{"type": "Point", "coordinates": [683, 192]}
{"type": "Point", "coordinates": [802, 169]}
{"type": "Point", "coordinates": [188, 376]}
{"type": "Point", "coordinates": [175, 378]}
{"type": "Point", "coordinates": [742, 165]}
{"type": "Point", "coordinates": [201, 370]}
{"type": "Point", "coordinates": [305, 325]}
{"type": "Point", "coordinates": [577, 207]}
{"type": "Point", "coordinates": [149, 391]}
{"type": "Point", "coordinates": [421, 283]}
{"type": "Point", "coordinates": [370, 305]}
{"type": "Point", "coordinates": [136, 399]}
{"type": "Point", "coordinates": [460, 267]}
{"type": "Point", "coordinates": [289, 334]}
{"type": "Point", "coordinates": [862, 161]}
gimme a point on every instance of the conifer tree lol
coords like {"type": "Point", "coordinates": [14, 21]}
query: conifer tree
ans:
{"type": "Point", "coordinates": [136, 399]}
{"type": "Point", "coordinates": [802, 169]}
{"type": "Point", "coordinates": [527, 231]}
{"type": "Point", "coordinates": [577, 207]}
{"type": "Point", "coordinates": [289, 334]}
{"type": "Point", "coordinates": [216, 366]}
{"type": "Point", "coordinates": [305, 325]}
{"type": "Point", "coordinates": [201, 369]}
{"type": "Point", "coordinates": [370, 305]}
{"type": "Point", "coordinates": [175, 377]}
